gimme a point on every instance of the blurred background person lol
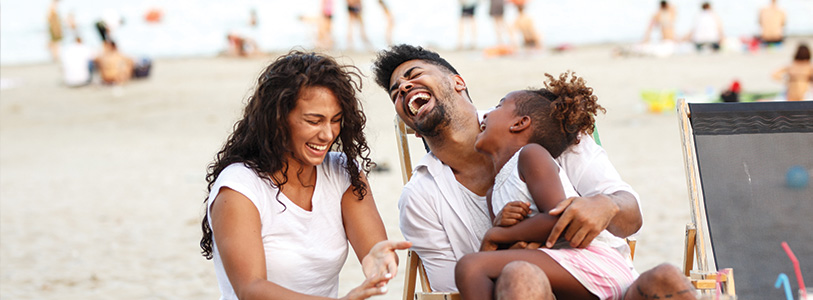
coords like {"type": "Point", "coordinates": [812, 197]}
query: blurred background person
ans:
{"type": "Point", "coordinates": [772, 24]}
{"type": "Point", "coordinates": [108, 25]}
{"type": "Point", "coordinates": [355, 19]}
{"type": "Point", "coordinates": [70, 20]}
{"type": "Point", "coordinates": [467, 20]}
{"type": "Point", "coordinates": [497, 10]}
{"type": "Point", "coordinates": [707, 30]}
{"type": "Point", "coordinates": [54, 29]}
{"type": "Point", "coordinates": [77, 63]}
{"type": "Point", "coordinates": [798, 75]}
{"type": "Point", "coordinates": [325, 31]}
{"type": "Point", "coordinates": [664, 19]}
{"type": "Point", "coordinates": [114, 67]}
{"type": "Point", "coordinates": [531, 39]}
{"type": "Point", "coordinates": [390, 21]}
{"type": "Point", "coordinates": [240, 45]}
{"type": "Point", "coordinates": [252, 18]}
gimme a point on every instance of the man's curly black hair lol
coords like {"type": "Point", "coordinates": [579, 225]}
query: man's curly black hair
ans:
{"type": "Point", "coordinates": [387, 60]}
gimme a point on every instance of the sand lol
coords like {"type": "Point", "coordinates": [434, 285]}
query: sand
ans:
{"type": "Point", "coordinates": [101, 188]}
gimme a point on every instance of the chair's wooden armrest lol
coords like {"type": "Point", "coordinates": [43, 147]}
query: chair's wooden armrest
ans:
{"type": "Point", "coordinates": [437, 296]}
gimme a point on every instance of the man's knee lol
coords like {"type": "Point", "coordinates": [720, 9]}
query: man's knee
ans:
{"type": "Point", "coordinates": [664, 274]}
{"type": "Point", "coordinates": [522, 280]}
{"type": "Point", "coordinates": [662, 281]}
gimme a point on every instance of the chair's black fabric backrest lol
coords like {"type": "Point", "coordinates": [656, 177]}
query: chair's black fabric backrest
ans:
{"type": "Point", "coordinates": [744, 151]}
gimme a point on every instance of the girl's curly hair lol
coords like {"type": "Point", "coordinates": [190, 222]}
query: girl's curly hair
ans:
{"type": "Point", "coordinates": [260, 139]}
{"type": "Point", "coordinates": [561, 110]}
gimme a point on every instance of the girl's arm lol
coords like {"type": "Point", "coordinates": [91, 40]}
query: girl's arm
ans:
{"type": "Point", "coordinates": [541, 174]}
{"type": "Point", "coordinates": [237, 230]}
{"type": "Point", "coordinates": [367, 235]}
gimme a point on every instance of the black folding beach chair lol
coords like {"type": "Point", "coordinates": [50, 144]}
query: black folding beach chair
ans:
{"type": "Point", "coordinates": [742, 166]}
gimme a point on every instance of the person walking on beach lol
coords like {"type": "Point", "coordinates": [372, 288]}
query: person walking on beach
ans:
{"type": "Point", "coordinates": [355, 20]}
{"type": "Point", "coordinates": [467, 20]}
{"type": "Point", "coordinates": [324, 35]}
{"type": "Point", "coordinates": [664, 19]}
{"type": "Point", "coordinates": [282, 205]}
{"type": "Point", "coordinates": [798, 75]}
{"type": "Point", "coordinates": [522, 136]}
{"type": "Point", "coordinates": [772, 24]}
{"type": "Point", "coordinates": [443, 209]}
{"type": "Point", "coordinates": [389, 20]}
{"type": "Point", "coordinates": [54, 29]}
{"type": "Point", "coordinates": [497, 11]}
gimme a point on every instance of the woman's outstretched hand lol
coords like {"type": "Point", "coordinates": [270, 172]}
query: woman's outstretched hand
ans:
{"type": "Point", "coordinates": [382, 259]}
{"type": "Point", "coordinates": [372, 286]}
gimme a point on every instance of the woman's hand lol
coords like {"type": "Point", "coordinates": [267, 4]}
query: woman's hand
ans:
{"type": "Point", "coordinates": [512, 213]}
{"type": "Point", "coordinates": [382, 259]}
{"type": "Point", "coordinates": [372, 286]}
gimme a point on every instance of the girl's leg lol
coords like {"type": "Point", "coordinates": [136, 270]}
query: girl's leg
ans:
{"type": "Point", "coordinates": [475, 274]}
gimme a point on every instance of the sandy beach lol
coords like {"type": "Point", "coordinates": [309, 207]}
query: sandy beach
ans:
{"type": "Point", "coordinates": [101, 188]}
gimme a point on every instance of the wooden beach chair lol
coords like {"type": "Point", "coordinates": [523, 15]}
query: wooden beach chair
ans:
{"type": "Point", "coordinates": [414, 266]}
{"type": "Point", "coordinates": [737, 156]}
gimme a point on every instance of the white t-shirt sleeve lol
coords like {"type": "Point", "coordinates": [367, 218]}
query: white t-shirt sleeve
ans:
{"type": "Point", "coordinates": [421, 225]}
{"type": "Point", "coordinates": [591, 172]}
{"type": "Point", "coordinates": [241, 179]}
{"type": "Point", "coordinates": [336, 172]}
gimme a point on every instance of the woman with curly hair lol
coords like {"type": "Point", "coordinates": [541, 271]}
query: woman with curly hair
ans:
{"type": "Point", "coordinates": [282, 204]}
{"type": "Point", "coordinates": [523, 135]}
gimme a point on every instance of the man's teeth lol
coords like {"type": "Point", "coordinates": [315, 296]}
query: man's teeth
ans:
{"type": "Point", "coordinates": [317, 147]}
{"type": "Point", "coordinates": [414, 109]}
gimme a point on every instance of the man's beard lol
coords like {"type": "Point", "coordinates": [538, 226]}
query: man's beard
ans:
{"type": "Point", "coordinates": [431, 125]}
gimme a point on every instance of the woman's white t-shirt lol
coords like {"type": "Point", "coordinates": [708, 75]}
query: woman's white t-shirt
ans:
{"type": "Point", "coordinates": [304, 250]}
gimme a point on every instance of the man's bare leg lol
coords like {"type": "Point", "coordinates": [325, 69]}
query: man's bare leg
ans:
{"type": "Point", "coordinates": [665, 282]}
{"type": "Point", "coordinates": [522, 280]}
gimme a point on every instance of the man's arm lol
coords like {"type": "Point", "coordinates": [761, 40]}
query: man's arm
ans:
{"type": "Point", "coordinates": [606, 201]}
{"type": "Point", "coordinates": [628, 220]}
{"type": "Point", "coordinates": [420, 224]}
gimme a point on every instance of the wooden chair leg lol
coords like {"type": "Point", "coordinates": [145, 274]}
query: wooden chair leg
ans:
{"type": "Point", "coordinates": [688, 251]}
{"type": "Point", "coordinates": [410, 275]}
{"type": "Point", "coordinates": [631, 242]}
{"type": "Point", "coordinates": [729, 282]}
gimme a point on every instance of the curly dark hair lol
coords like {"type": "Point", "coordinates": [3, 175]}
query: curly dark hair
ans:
{"type": "Point", "coordinates": [561, 110]}
{"type": "Point", "coordinates": [387, 61]}
{"type": "Point", "coordinates": [260, 139]}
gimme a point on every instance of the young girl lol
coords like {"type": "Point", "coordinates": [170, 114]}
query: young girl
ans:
{"type": "Point", "coordinates": [523, 135]}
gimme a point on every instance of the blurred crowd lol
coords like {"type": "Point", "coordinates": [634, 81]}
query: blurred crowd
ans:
{"type": "Point", "coordinates": [107, 65]}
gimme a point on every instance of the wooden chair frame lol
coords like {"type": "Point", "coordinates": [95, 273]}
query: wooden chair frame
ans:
{"type": "Point", "coordinates": [696, 244]}
{"type": "Point", "coordinates": [414, 266]}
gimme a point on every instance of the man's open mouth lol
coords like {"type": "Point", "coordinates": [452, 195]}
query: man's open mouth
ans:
{"type": "Point", "coordinates": [417, 101]}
